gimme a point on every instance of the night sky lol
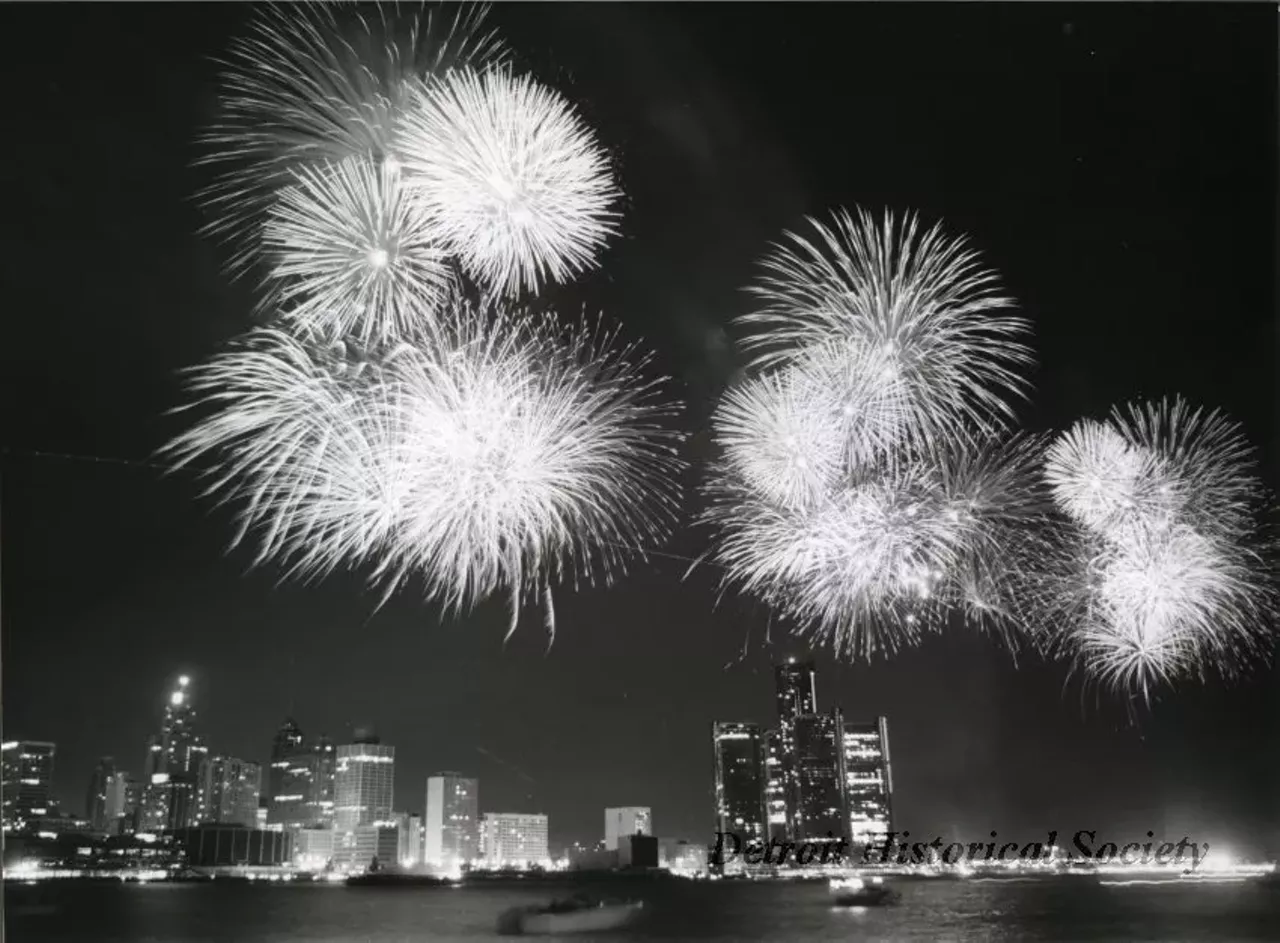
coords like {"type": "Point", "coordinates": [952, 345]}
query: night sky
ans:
{"type": "Point", "coordinates": [1117, 165]}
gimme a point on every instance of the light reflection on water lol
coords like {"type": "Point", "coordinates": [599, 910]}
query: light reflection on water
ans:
{"type": "Point", "coordinates": [937, 910]}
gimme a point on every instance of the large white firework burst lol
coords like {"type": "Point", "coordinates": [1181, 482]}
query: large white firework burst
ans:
{"type": "Point", "coordinates": [350, 255]}
{"type": "Point", "coordinates": [919, 302]}
{"type": "Point", "coordinates": [316, 83]}
{"type": "Point", "coordinates": [890, 552]}
{"type": "Point", "coordinates": [511, 177]}
{"type": "Point", "coordinates": [867, 490]}
{"type": "Point", "coordinates": [504, 457]}
{"type": "Point", "coordinates": [1165, 572]}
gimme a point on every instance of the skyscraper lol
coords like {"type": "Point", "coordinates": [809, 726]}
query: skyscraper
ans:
{"type": "Point", "coordinates": [775, 789]}
{"type": "Point", "coordinates": [289, 778]}
{"type": "Point", "coordinates": [121, 796]}
{"type": "Point", "coordinates": [320, 798]}
{"type": "Point", "coordinates": [95, 804]}
{"type": "Point", "coordinates": [868, 781]}
{"type": "Point", "coordinates": [818, 811]}
{"type": "Point", "coordinates": [625, 821]}
{"type": "Point", "coordinates": [27, 778]}
{"type": "Point", "coordinates": [739, 770]}
{"type": "Point", "coordinates": [513, 840]}
{"type": "Point", "coordinates": [229, 791]}
{"type": "Point", "coordinates": [364, 796]}
{"type": "Point", "coordinates": [173, 762]}
{"type": "Point", "coordinates": [795, 695]}
{"type": "Point", "coordinates": [452, 820]}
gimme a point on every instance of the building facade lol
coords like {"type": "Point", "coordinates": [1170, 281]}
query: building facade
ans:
{"type": "Point", "coordinates": [230, 789]}
{"type": "Point", "coordinates": [95, 803]}
{"type": "Point", "coordinates": [739, 779]}
{"type": "Point", "coordinates": [513, 840]}
{"type": "Point", "coordinates": [819, 773]}
{"type": "Point", "coordinates": [452, 821]}
{"type": "Point", "coordinates": [622, 822]}
{"type": "Point", "coordinates": [775, 787]}
{"type": "Point", "coordinates": [27, 770]}
{"type": "Point", "coordinates": [288, 779]}
{"type": "Point", "coordinates": [868, 781]}
{"type": "Point", "coordinates": [795, 696]}
{"type": "Point", "coordinates": [172, 765]}
{"type": "Point", "coordinates": [364, 796]}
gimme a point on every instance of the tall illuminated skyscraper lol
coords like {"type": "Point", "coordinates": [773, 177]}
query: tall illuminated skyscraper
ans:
{"type": "Point", "coordinates": [452, 820]}
{"type": "Point", "coordinates": [320, 800]}
{"type": "Point", "coordinates": [775, 787]}
{"type": "Point", "coordinates": [868, 781]}
{"type": "Point", "coordinates": [740, 779]}
{"type": "Point", "coordinates": [288, 778]}
{"type": "Point", "coordinates": [364, 796]}
{"type": "Point", "coordinates": [27, 779]}
{"type": "Point", "coordinates": [364, 784]}
{"type": "Point", "coordinates": [173, 762]}
{"type": "Point", "coordinates": [796, 696]}
{"type": "Point", "coordinates": [818, 809]}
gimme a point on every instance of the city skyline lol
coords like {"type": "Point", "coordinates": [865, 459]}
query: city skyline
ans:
{"type": "Point", "coordinates": [1142, 253]}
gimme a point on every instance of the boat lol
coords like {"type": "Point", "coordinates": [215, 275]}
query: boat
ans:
{"type": "Point", "coordinates": [575, 915]}
{"type": "Point", "coordinates": [857, 892]}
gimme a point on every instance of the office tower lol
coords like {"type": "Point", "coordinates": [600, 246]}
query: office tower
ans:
{"type": "Point", "coordinates": [622, 822]}
{"type": "Point", "coordinates": [819, 811]}
{"type": "Point", "coordinates": [795, 695]}
{"type": "Point", "coordinates": [121, 796]}
{"type": "Point", "coordinates": [775, 788]}
{"type": "Point", "coordinates": [324, 761]}
{"type": "Point", "coordinates": [363, 783]}
{"type": "Point", "coordinates": [229, 792]}
{"type": "Point", "coordinates": [868, 781]}
{"type": "Point", "coordinates": [452, 820]}
{"type": "Point", "coordinates": [740, 779]}
{"type": "Point", "coordinates": [289, 778]}
{"type": "Point", "coordinates": [363, 799]}
{"type": "Point", "coordinates": [409, 853]}
{"type": "Point", "coordinates": [135, 792]}
{"type": "Point", "coordinates": [172, 764]}
{"type": "Point", "coordinates": [27, 778]}
{"type": "Point", "coordinates": [95, 804]}
{"type": "Point", "coordinates": [513, 840]}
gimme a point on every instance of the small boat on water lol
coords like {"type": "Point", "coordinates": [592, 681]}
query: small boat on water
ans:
{"type": "Point", "coordinates": [861, 892]}
{"type": "Point", "coordinates": [575, 915]}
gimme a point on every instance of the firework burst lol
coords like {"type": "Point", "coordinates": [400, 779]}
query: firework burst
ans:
{"type": "Point", "coordinates": [510, 176]}
{"type": "Point", "coordinates": [351, 256]}
{"type": "Point", "coordinates": [919, 304]}
{"type": "Point", "coordinates": [1164, 575]}
{"type": "Point", "coordinates": [504, 457]}
{"type": "Point", "coordinates": [889, 552]}
{"type": "Point", "coordinates": [867, 490]}
{"type": "Point", "coordinates": [318, 83]}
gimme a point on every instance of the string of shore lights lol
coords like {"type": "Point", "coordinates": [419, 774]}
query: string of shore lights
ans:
{"type": "Point", "coordinates": [408, 406]}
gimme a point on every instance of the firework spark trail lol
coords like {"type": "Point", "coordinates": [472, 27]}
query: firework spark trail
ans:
{"type": "Point", "coordinates": [510, 177]}
{"type": "Point", "coordinates": [350, 257]}
{"type": "Point", "coordinates": [1163, 573]}
{"type": "Point", "coordinates": [319, 83]}
{"type": "Point", "coordinates": [506, 456]}
{"type": "Point", "coordinates": [867, 489]}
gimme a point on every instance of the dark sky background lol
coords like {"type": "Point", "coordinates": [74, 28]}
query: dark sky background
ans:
{"type": "Point", "coordinates": [1116, 164]}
